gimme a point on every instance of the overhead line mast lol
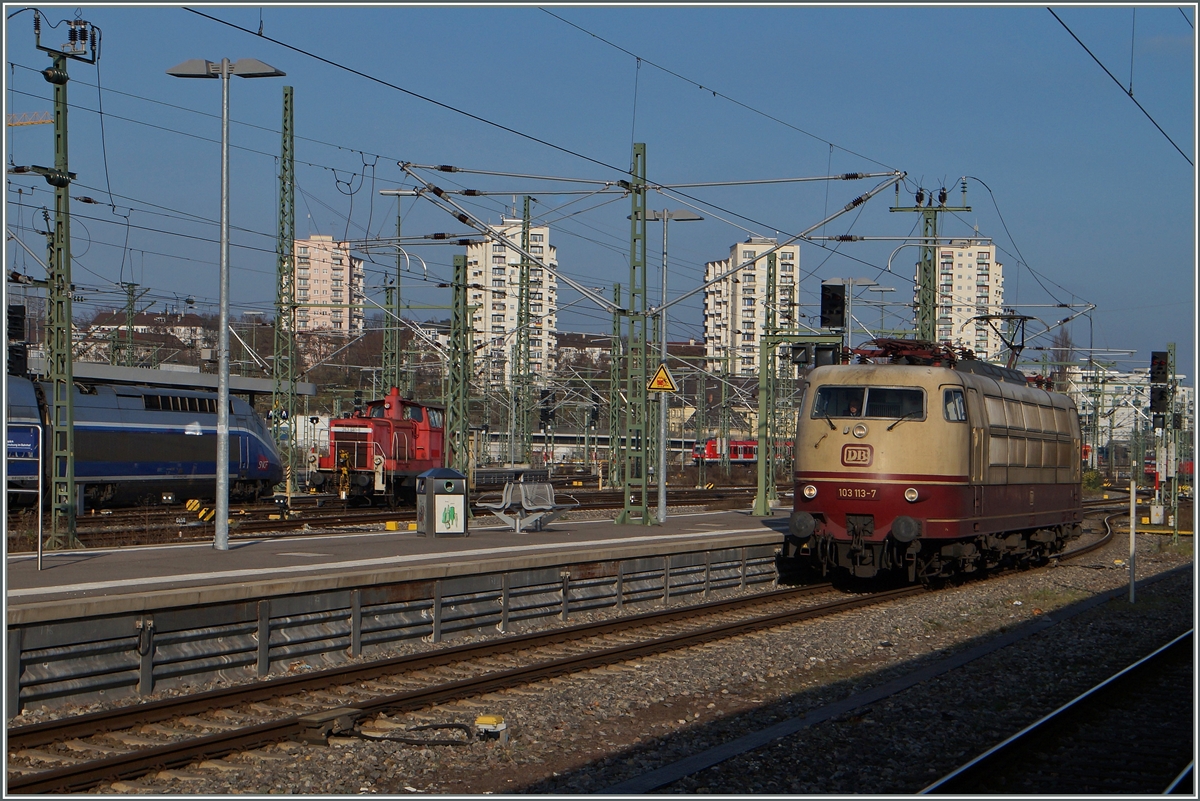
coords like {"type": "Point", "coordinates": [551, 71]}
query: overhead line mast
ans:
{"type": "Point", "coordinates": [616, 452]}
{"type": "Point", "coordinates": [458, 423]}
{"type": "Point", "coordinates": [520, 376]}
{"type": "Point", "coordinates": [637, 443]}
{"type": "Point", "coordinates": [82, 45]}
{"type": "Point", "coordinates": [391, 328]}
{"type": "Point", "coordinates": [283, 401]}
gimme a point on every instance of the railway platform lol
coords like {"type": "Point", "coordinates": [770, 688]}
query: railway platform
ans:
{"type": "Point", "coordinates": [85, 583]}
{"type": "Point", "coordinates": [105, 623]}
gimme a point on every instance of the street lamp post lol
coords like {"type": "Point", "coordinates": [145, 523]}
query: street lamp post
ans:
{"type": "Point", "coordinates": [680, 215]}
{"type": "Point", "coordinates": [245, 68]}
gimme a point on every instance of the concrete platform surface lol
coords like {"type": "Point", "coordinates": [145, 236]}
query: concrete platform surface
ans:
{"type": "Point", "coordinates": [125, 579]}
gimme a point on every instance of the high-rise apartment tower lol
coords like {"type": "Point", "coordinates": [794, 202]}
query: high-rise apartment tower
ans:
{"type": "Point", "coordinates": [494, 272]}
{"type": "Point", "coordinates": [735, 309]}
{"type": "Point", "coordinates": [326, 276]}
{"type": "Point", "coordinates": [970, 283]}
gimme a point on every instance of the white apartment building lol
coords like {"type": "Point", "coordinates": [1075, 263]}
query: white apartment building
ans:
{"type": "Point", "coordinates": [494, 272]}
{"type": "Point", "coordinates": [326, 277]}
{"type": "Point", "coordinates": [970, 283]}
{"type": "Point", "coordinates": [735, 309]}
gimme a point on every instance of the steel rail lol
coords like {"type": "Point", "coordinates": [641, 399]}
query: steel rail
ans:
{"type": "Point", "coordinates": [98, 722]}
{"type": "Point", "coordinates": [120, 529]}
{"type": "Point", "coordinates": [968, 777]}
{"type": "Point", "coordinates": [84, 775]}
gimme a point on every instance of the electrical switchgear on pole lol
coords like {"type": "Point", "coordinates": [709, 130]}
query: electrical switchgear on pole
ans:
{"type": "Point", "coordinates": [927, 311]}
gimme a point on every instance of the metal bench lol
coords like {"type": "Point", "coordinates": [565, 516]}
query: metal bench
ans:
{"type": "Point", "coordinates": [539, 506]}
{"type": "Point", "coordinates": [507, 509]}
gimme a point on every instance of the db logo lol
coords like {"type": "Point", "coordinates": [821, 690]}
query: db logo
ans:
{"type": "Point", "coordinates": [857, 455]}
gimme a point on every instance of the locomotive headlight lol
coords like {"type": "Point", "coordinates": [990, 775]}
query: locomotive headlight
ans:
{"type": "Point", "coordinates": [859, 431]}
{"type": "Point", "coordinates": [810, 491]}
{"type": "Point", "coordinates": [911, 495]}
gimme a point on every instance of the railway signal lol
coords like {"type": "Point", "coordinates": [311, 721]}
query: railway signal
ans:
{"type": "Point", "coordinates": [828, 354]}
{"type": "Point", "coordinates": [833, 305]}
{"type": "Point", "coordinates": [16, 323]}
{"type": "Point", "coordinates": [1160, 398]}
{"type": "Point", "coordinates": [1159, 369]}
{"type": "Point", "coordinates": [546, 408]}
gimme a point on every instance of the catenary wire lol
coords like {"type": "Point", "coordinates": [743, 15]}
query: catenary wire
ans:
{"type": "Point", "coordinates": [715, 93]}
{"type": "Point", "coordinates": [411, 93]}
{"type": "Point", "coordinates": [1118, 83]}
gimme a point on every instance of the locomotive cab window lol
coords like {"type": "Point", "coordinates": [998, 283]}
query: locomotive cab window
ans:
{"type": "Point", "coordinates": [413, 413]}
{"type": "Point", "coordinates": [377, 410]}
{"type": "Point", "coordinates": [889, 403]}
{"type": "Point", "coordinates": [435, 418]}
{"type": "Point", "coordinates": [838, 402]}
{"type": "Point", "coordinates": [955, 405]}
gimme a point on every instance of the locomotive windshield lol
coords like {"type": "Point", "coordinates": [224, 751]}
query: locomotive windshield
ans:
{"type": "Point", "coordinates": [880, 402]}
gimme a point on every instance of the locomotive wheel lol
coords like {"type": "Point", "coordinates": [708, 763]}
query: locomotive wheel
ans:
{"type": "Point", "coordinates": [406, 495]}
{"type": "Point", "coordinates": [796, 571]}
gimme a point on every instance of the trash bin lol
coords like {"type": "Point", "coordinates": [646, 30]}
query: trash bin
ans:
{"type": "Point", "coordinates": [442, 503]}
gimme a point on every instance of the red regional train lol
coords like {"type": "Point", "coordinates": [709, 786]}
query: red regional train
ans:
{"type": "Point", "coordinates": [935, 469]}
{"type": "Point", "coordinates": [741, 451]}
{"type": "Point", "coordinates": [377, 452]}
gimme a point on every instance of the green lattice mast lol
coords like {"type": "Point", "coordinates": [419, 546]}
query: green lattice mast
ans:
{"type": "Point", "coordinates": [283, 395]}
{"type": "Point", "coordinates": [636, 439]}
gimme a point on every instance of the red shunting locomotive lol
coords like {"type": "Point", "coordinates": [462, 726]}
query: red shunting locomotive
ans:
{"type": "Point", "coordinates": [378, 451]}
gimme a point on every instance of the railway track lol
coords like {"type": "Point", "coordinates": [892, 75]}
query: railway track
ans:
{"type": "Point", "coordinates": [76, 753]}
{"type": "Point", "coordinates": [149, 525]}
{"type": "Point", "coordinates": [73, 754]}
{"type": "Point", "coordinates": [1130, 734]}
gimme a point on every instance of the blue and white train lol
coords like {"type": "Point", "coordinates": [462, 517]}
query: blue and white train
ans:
{"type": "Point", "coordinates": [137, 445]}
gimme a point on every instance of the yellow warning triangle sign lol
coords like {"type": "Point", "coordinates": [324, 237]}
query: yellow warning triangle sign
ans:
{"type": "Point", "coordinates": [662, 381]}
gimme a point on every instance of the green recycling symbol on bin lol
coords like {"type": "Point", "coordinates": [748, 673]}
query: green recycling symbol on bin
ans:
{"type": "Point", "coordinates": [449, 516]}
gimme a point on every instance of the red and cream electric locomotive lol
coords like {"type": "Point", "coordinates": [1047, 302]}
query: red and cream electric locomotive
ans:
{"type": "Point", "coordinates": [933, 469]}
{"type": "Point", "coordinates": [378, 451]}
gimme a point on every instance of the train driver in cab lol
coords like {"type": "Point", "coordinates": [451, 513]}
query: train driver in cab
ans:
{"type": "Point", "coordinates": [852, 409]}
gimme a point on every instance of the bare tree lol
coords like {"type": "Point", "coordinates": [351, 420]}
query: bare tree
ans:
{"type": "Point", "coordinates": [1062, 349]}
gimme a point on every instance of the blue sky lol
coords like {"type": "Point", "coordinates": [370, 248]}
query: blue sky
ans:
{"type": "Point", "coordinates": [1088, 201]}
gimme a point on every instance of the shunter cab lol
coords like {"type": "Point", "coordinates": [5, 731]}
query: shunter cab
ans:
{"type": "Point", "coordinates": [380, 449]}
